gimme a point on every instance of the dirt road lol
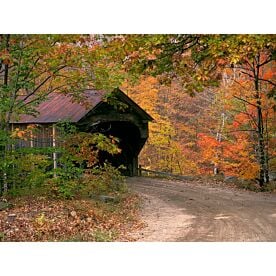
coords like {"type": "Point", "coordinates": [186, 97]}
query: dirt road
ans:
{"type": "Point", "coordinates": [187, 211]}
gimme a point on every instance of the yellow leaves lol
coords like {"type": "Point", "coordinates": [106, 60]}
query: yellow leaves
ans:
{"type": "Point", "coordinates": [235, 58]}
{"type": "Point", "coordinates": [40, 220]}
{"type": "Point", "coordinates": [145, 93]}
{"type": "Point", "coordinates": [202, 77]}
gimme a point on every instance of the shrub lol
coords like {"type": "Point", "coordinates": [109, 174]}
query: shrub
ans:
{"type": "Point", "coordinates": [60, 188]}
{"type": "Point", "coordinates": [97, 181]}
{"type": "Point", "coordinates": [30, 170]}
{"type": "Point", "coordinates": [26, 173]}
{"type": "Point", "coordinates": [104, 180]}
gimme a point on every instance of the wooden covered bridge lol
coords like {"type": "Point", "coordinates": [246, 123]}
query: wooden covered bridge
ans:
{"type": "Point", "coordinates": [120, 117]}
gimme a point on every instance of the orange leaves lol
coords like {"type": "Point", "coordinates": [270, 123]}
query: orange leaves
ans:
{"type": "Point", "coordinates": [5, 57]}
{"type": "Point", "coordinates": [233, 157]}
{"type": "Point", "coordinates": [193, 125]}
{"type": "Point", "coordinates": [19, 133]}
{"type": "Point", "coordinates": [24, 134]}
{"type": "Point", "coordinates": [207, 141]}
{"type": "Point", "coordinates": [269, 74]}
{"type": "Point", "coordinates": [208, 149]}
{"type": "Point", "coordinates": [239, 158]}
{"type": "Point", "coordinates": [151, 56]}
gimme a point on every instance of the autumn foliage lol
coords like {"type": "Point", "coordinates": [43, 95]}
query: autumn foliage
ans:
{"type": "Point", "coordinates": [184, 138]}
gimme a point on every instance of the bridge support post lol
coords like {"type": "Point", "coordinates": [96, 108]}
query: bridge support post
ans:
{"type": "Point", "coordinates": [139, 170]}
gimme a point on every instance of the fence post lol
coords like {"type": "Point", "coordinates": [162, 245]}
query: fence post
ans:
{"type": "Point", "coordinates": [54, 145]}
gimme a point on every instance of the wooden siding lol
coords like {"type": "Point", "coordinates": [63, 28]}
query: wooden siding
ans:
{"type": "Point", "coordinates": [42, 137]}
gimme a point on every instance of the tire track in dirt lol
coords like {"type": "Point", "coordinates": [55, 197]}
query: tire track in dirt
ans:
{"type": "Point", "coordinates": [185, 211]}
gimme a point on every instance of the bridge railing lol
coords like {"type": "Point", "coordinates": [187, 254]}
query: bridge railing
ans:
{"type": "Point", "coordinates": [146, 172]}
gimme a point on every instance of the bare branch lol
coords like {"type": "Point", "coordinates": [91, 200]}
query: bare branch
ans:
{"type": "Point", "coordinates": [243, 72]}
{"type": "Point", "coordinates": [240, 84]}
{"type": "Point", "coordinates": [241, 99]}
{"type": "Point", "coordinates": [50, 91]}
{"type": "Point", "coordinates": [14, 94]}
{"type": "Point", "coordinates": [43, 82]}
{"type": "Point", "coordinates": [37, 88]}
{"type": "Point", "coordinates": [249, 64]}
{"type": "Point", "coordinates": [269, 81]}
{"type": "Point", "coordinates": [246, 113]}
{"type": "Point", "coordinates": [241, 130]}
{"type": "Point", "coordinates": [265, 62]}
{"type": "Point", "coordinates": [31, 69]}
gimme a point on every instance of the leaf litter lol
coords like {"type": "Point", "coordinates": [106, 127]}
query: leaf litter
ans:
{"type": "Point", "coordinates": [42, 219]}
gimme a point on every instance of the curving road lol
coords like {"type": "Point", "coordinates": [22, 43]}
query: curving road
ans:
{"type": "Point", "coordinates": [189, 211]}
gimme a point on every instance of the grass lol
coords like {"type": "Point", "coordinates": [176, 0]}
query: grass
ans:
{"type": "Point", "coordinates": [99, 235]}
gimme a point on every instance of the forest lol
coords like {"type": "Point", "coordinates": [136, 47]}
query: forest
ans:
{"type": "Point", "coordinates": [212, 98]}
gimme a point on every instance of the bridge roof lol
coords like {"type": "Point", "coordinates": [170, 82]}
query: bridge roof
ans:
{"type": "Point", "coordinates": [58, 107]}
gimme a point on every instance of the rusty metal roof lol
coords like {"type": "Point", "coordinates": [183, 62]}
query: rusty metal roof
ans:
{"type": "Point", "coordinates": [60, 107]}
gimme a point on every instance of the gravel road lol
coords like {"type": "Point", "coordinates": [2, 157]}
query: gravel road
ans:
{"type": "Point", "coordinates": [190, 211]}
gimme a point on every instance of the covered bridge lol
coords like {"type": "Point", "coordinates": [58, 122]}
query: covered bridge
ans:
{"type": "Point", "coordinates": [119, 116]}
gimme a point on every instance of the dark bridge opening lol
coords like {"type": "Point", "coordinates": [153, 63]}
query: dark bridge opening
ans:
{"type": "Point", "coordinates": [130, 143]}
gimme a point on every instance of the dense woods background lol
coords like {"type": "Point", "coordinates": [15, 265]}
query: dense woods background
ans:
{"type": "Point", "coordinates": [212, 96]}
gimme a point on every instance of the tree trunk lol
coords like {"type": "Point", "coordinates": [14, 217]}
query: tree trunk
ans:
{"type": "Point", "coordinates": [261, 147]}
{"type": "Point", "coordinates": [260, 129]}
{"type": "Point", "coordinates": [4, 125]}
{"type": "Point", "coordinates": [216, 169]}
{"type": "Point", "coordinates": [266, 152]}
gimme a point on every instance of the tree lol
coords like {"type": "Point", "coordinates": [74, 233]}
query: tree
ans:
{"type": "Point", "coordinates": [34, 66]}
{"type": "Point", "coordinates": [249, 56]}
{"type": "Point", "coordinates": [163, 151]}
{"type": "Point", "coordinates": [200, 61]}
